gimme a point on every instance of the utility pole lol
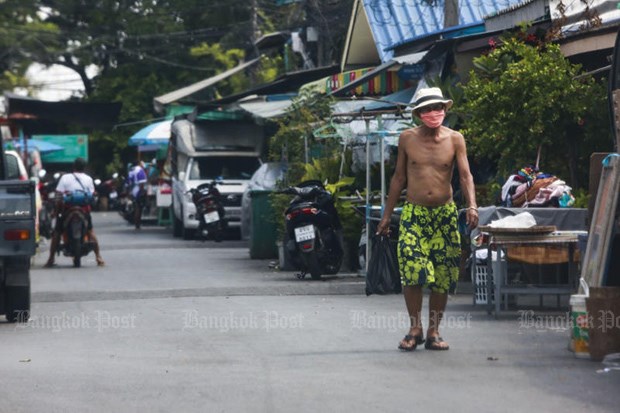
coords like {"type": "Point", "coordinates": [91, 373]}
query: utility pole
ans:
{"type": "Point", "coordinates": [254, 38]}
{"type": "Point", "coordinates": [451, 13]}
{"type": "Point", "coordinates": [255, 30]}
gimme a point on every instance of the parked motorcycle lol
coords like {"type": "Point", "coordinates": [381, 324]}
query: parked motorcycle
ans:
{"type": "Point", "coordinates": [108, 194]}
{"type": "Point", "coordinates": [74, 241]}
{"type": "Point", "coordinates": [47, 189]}
{"type": "Point", "coordinates": [313, 235]}
{"type": "Point", "coordinates": [209, 211]}
{"type": "Point", "coordinates": [125, 202]}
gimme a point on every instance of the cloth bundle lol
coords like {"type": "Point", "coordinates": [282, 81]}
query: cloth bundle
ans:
{"type": "Point", "coordinates": [531, 188]}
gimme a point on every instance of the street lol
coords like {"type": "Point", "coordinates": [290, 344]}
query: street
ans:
{"type": "Point", "coordinates": [191, 326]}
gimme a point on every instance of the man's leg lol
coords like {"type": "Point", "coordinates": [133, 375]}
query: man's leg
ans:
{"type": "Point", "coordinates": [446, 272]}
{"type": "Point", "coordinates": [93, 238]}
{"type": "Point", "coordinates": [410, 266]}
{"type": "Point", "coordinates": [53, 249]}
{"type": "Point", "coordinates": [137, 214]}
{"type": "Point", "coordinates": [436, 307]}
{"type": "Point", "coordinates": [413, 301]}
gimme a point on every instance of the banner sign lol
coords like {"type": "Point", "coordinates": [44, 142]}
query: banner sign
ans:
{"type": "Point", "coordinates": [75, 146]}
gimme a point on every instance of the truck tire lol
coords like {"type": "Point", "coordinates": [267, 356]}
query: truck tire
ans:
{"type": "Point", "coordinates": [177, 224]}
{"type": "Point", "coordinates": [188, 233]}
{"type": "Point", "coordinates": [17, 298]}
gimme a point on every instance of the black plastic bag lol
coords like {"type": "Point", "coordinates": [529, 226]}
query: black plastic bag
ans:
{"type": "Point", "coordinates": [383, 276]}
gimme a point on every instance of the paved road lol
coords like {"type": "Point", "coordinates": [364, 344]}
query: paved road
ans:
{"type": "Point", "coordinates": [171, 325]}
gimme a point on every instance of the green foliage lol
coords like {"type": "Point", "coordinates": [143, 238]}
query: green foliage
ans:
{"type": "Point", "coordinates": [582, 198]}
{"type": "Point", "coordinates": [324, 169]}
{"type": "Point", "coordinates": [308, 111]}
{"type": "Point", "coordinates": [21, 32]}
{"type": "Point", "coordinates": [521, 97]}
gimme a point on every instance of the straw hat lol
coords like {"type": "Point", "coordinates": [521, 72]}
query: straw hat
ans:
{"type": "Point", "coordinates": [428, 96]}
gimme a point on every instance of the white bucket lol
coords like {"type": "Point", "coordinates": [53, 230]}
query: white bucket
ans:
{"type": "Point", "coordinates": [579, 326]}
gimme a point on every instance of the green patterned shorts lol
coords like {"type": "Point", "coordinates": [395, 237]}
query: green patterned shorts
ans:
{"type": "Point", "coordinates": [429, 247]}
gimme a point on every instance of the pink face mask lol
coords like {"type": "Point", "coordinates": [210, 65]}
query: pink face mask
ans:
{"type": "Point", "coordinates": [433, 119]}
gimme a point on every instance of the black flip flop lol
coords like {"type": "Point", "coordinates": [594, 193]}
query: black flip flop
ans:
{"type": "Point", "coordinates": [431, 343]}
{"type": "Point", "coordinates": [417, 340]}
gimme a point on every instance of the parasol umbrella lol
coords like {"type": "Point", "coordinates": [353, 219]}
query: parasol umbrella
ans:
{"type": "Point", "coordinates": [42, 146]}
{"type": "Point", "coordinates": [157, 133]}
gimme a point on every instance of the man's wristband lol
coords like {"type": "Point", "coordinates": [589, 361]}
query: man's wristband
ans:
{"type": "Point", "coordinates": [473, 208]}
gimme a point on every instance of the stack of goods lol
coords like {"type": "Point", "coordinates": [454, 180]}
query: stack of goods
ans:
{"type": "Point", "coordinates": [529, 187]}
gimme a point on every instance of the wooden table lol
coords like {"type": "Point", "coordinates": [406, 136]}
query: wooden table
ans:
{"type": "Point", "coordinates": [501, 239]}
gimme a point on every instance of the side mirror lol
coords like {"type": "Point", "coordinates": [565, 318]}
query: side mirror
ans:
{"type": "Point", "coordinates": [42, 173]}
{"type": "Point", "coordinates": [97, 182]}
{"type": "Point", "coordinates": [181, 176]}
{"type": "Point", "coordinates": [115, 175]}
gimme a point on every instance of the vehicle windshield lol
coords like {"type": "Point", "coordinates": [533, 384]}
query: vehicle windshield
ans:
{"type": "Point", "coordinates": [12, 167]}
{"type": "Point", "coordinates": [224, 167]}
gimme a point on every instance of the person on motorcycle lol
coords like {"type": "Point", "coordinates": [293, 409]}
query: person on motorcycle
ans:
{"type": "Point", "coordinates": [137, 180]}
{"type": "Point", "coordinates": [68, 183]}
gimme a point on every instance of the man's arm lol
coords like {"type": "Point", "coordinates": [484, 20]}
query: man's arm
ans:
{"type": "Point", "coordinates": [397, 183]}
{"type": "Point", "coordinates": [466, 180]}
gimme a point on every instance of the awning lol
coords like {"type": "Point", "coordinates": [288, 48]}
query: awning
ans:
{"type": "Point", "coordinates": [84, 113]}
{"type": "Point", "coordinates": [32, 144]}
{"type": "Point", "coordinates": [363, 79]}
{"type": "Point", "coordinates": [409, 59]}
{"type": "Point", "coordinates": [395, 100]}
{"type": "Point", "coordinates": [263, 108]}
{"type": "Point", "coordinates": [160, 101]}
{"type": "Point", "coordinates": [288, 82]}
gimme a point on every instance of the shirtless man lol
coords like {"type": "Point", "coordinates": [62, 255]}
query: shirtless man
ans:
{"type": "Point", "coordinates": [429, 242]}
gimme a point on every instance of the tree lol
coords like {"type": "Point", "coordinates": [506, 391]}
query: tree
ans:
{"type": "Point", "coordinates": [525, 98]}
{"type": "Point", "coordinates": [20, 32]}
{"type": "Point", "coordinates": [145, 48]}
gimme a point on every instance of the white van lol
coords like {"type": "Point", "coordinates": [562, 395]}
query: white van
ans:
{"type": "Point", "coordinates": [201, 152]}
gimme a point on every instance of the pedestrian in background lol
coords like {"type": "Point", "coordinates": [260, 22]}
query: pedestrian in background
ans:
{"type": "Point", "coordinates": [137, 180]}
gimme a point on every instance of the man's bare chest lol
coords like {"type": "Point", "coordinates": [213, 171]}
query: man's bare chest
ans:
{"type": "Point", "coordinates": [432, 154]}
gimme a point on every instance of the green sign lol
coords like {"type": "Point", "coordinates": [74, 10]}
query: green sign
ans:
{"type": "Point", "coordinates": [75, 146]}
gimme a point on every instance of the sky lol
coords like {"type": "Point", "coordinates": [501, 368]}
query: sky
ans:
{"type": "Point", "coordinates": [55, 83]}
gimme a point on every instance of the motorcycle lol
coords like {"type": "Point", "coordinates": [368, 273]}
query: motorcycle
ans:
{"type": "Point", "coordinates": [48, 202]}
{"type": "Point", "coordinates": [111, 186]}
{"type": "Point", "coordinates": [107, 193]}
{"type": "Point", "coordinates": [313, 234]}
{"type": "Point", "coordinates": [74, 240]}
{"type": "Point", "coordinates": [125, 203]}
{"type": "Point", "coordinates": [209, 210]}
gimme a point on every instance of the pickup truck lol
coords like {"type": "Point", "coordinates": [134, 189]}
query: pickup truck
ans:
{"type": "Point", "coordinates": [17, 242]}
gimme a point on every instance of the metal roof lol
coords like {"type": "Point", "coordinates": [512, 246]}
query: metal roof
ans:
{"type": "Point", "coordinates": [160, 101]}
{"type": "Point", "coordinates": [395, 22]}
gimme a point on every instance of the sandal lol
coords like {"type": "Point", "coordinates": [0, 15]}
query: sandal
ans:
{"type": "Point", "coordinates": [436, 343]}
{"type": "Point", "coordinates": [417, 340]}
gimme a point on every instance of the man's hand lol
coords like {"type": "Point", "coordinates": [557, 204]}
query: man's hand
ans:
{"type": "Point", "coordinates": [472, 218]}
{"type": "Point", "coordinates": [384, 226]}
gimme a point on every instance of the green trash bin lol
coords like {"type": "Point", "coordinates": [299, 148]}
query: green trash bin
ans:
{"type": "Point", "coordinates": [264, 232]}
